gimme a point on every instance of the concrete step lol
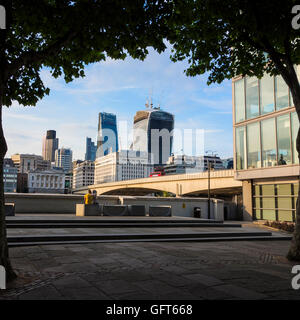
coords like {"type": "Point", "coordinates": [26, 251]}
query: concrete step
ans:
{"type": "Point", "coordinates": [55, 225]}
{"type": "Point", "coordinates": [196, 239]}
{"type": "Point", "coordinates": [14, 220]}
{"type": "Point", "coordinates": [132, 236]}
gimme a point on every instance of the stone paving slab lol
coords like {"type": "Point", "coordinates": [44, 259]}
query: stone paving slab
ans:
{"type": "Point", "coordinates": [172, 271]}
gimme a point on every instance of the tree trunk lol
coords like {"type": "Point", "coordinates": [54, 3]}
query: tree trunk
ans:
{"type": "Point", "coordinates": [294, 251]}
{"type": "Point", "coordinates": [4, 256]}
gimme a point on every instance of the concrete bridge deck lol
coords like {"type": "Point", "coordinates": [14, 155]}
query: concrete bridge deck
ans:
{"type": "Point", "coordinates": [222, 182]}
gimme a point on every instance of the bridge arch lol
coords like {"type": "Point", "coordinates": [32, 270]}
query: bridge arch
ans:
{"type": "Point", "coordinates": [137, 191]}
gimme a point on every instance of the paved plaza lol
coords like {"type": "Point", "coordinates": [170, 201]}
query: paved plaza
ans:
{"type": "Point", "coordinates": [153, 270]}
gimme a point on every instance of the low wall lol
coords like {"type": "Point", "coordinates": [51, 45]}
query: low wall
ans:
{"type": "Point", "coordinates": [66, 204]}
{"type": "Point", "coordinates": [182, 207]}
{"type": "Point", "coordinates": [50, 203]}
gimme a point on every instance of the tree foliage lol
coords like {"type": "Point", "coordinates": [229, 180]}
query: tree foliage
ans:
{"type": "Point", "coordinates": [227, 38]}
{"type": "Point", "coordinates": [235, 37]}
{"type": "Point", "coordinates": [66, 35]}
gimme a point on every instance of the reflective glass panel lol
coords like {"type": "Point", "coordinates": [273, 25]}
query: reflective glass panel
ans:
{"type": "Point", "coordinates": [253, 146]}
{"type": "Point", "coordinates": [295, 128]}
{"type": "Point", "coordinates": [268, 140]}
{"type": "Point", "coordinates": [267, 94]}
{"type": "Point", "coordinates": [239, 98]}
{"type": "Point", "coordinates": [240, 148]}
{"type": "Point", "coordinates": [252, 100]}
{"type": "Point", "coordinates": [283, 140]}
{"type": "Point", "coordinates": [281, 93]}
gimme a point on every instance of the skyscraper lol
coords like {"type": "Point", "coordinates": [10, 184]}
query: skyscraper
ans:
{"type": "Point", "coordinates": [153, 133]}
{"type": "Point", "coordinates": [107, 141]}
{"type": "Point", "coordinates": [63, 159]}
{"type": "Point", "coordinates": [91, 149]}
{"type": "Point", "coordinates": [50, 144]}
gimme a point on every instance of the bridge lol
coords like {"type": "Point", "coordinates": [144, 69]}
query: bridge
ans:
{"type": "Point", "coordinates": [222, 183]}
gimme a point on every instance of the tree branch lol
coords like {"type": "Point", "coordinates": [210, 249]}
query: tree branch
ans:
{"type": "Point", "coordinates": [32, 57]}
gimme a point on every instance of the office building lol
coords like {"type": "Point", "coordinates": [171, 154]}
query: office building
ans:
{"type": "Point", "coordinates": [91, 150]}
{"type": "Point", "coordinates": [68, 182]}
{"type": "Point", "coordinates": [107, 140]}
{"type": "Point", "coordinates": [63, 159]}
{"type": "Point", "coordinates": [83, 174]}
{"type": "Point", "coordinates": [153, 133]}
{"type": "Point", "coordinates": [228, 163]}
{"type": "Point", "coordinates": [122, 165]}
{"type": "Point", "coordinates": [50, 181]}
{"type": "Point", "coordinates": [183, 164]}
{"type": "Point", "coordinates": [27, 162]}
{"type": "Point", "coordinates": [266, 161]}
{"type": "Point", "coordinates": [215, 163]}
{"type": "Point", "coordinates": [22, 183]}
{"type": "Point", "coordinates": [50, 145]}
{"type": "Point", "coordinates": [10, 176]}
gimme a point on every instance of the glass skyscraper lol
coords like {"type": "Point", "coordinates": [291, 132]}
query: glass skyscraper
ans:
{"type": "Point", "coordinates": [91, 150]}
{"type": "Point", "coordinates": [107, 141]}
{"type": "Point", "coordinates": [63, 159]}
{"type": "Point", "coordinates": [153, 133]}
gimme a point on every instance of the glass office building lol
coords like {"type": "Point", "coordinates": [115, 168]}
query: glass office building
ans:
{"type": "Point", "coordinates": [107, 141]}
{"type": "Point", "coordinates": [266, 159]}
{"type": "Point", "coordinates": [153, 133]}
{"type": "Point", "coordinates": [91, 150]}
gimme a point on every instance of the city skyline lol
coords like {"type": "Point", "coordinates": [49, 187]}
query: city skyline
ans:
{"type": "Point", "coordinates": [122, 92]}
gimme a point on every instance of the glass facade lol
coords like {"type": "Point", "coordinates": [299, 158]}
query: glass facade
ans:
{"type": "Point", "coordinates": [284, 140]}
{"type": "Point", "coordinates": [275, 201]}
{"type": "Point", "coordinates": [268, 143]}
{"type": "Point", "coordinates": [252, 98]}
{"type": "Point", "coordinates": [267, 94]}
{"type": "Point", "coordinates": [253, 145]}
{"type": "Point", "coordinates": [153, 133]}
{"type": "Point", "coordinates": [240, 147]}
{"type": "Point", "coordinates": [266, 129]}
{"type": "Point", "coordinates": [239, 99]}
{"type": "Point", "coordinates": [281, 93]}
{"type": "Point", "coordinates": [107, 140]}
{"type": "Point", "coordinates": [295, 128]}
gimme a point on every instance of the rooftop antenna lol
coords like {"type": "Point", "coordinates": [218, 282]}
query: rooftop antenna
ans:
{"type": "Point", "coordinates": [150, 98]}
{"type": "Point", "coordinates": [147, 103]}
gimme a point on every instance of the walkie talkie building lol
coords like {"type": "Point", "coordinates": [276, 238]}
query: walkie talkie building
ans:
{"type": "Point", "coordinates": [153, 133]}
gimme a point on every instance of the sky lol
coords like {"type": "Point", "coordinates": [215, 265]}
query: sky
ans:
{"type": "Point", "coordinates": [122, 87]}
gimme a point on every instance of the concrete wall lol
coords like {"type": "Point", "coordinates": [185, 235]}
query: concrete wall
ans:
{"type": "Point", "coordinates": [247, 200]}
{"type": "Point", "coordinates": [62, 204]}
{"type": "Point", "coordinates": [49, 203]}
{"type": "Point", "coordinates": [183, 207]}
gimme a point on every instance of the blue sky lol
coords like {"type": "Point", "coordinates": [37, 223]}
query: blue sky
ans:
{"type": "Point", "coordinates": [122, 87]}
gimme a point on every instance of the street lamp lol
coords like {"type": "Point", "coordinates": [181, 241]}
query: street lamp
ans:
{"type": "Point", "coordinates": [209, 167]}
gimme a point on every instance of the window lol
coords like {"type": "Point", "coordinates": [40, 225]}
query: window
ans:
{"type": "Point", "coordinates": [240, 148]}
{"type": "Point", "coordinates": [252, 101]}
{"type": "Point", "coordinates": [253, 146]}
{"type": "Point", "coordinates": [275, 202]}
{"type": "Point", "coordinates": [267, 94]}
{"type": "Point", "coordinates": [268, 141]}
{"type": "Point", "coordinates": [239, 99]}
{"type": "Point", "coordinates": [295, 128]}
{"type": "Point", "coordinates": [281, 93]}
{"type": "Point", "coordinates": [283, 140]}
